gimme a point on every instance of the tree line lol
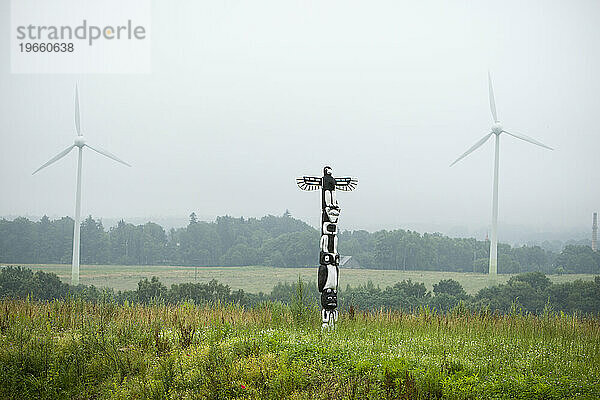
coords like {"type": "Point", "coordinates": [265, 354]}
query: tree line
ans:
{"type": "Point", "coordinates": [279, 241]}
{"type": "Point", "coordinates": [530, 292]}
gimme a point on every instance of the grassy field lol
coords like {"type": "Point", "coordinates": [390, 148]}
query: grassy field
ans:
{"type": "Point", "coordinates": [257, 279]}
{"type": "Point", "coordinates": [73, 349]}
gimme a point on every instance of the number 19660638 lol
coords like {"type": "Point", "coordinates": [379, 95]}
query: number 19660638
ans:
{"type": "Point", "coordinates": [46, 47]}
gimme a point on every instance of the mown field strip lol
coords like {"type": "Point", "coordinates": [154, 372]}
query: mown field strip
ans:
{"type": "Point", "coordinates": [256, 279]}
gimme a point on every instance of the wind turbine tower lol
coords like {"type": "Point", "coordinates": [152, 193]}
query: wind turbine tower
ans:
{"type": "Point", "coordinates": [80, 143]}
{"type": "Point", "coordinates": [595, 233]}
{"type": "Point", "coordinates": [496, 130]}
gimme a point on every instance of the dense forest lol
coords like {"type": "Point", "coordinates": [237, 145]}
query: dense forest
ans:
{"type": "Point", "coordinates": [272, 241]}
{"type": "Point", "coordinates": [531, 292]}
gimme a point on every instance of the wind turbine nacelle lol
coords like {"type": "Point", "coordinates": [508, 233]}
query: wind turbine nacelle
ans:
{"type": "Point", "coordinates": [79, 141]}
{"type": "Point", "coordinates": [497, 128]}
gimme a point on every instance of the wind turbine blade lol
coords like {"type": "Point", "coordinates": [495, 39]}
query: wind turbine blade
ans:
{"type": "Point", "coordinates": [528, 139]}
{"type": "Point", "coordinates": [77, 116]}
{"type": "Point", "coordinates": [107, 154]}
{"type": "Point", "coordinates": [473, 148]}
{"type": "Point", "coordinates": [492, 100]}
{"type": "Point", "coordinates": [55, 158]}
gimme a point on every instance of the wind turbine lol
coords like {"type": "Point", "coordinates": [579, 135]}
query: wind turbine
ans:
{"type": "Point", "coordinates": [497, 129]}
{"type": "Point", "coordinates": [80, 143]}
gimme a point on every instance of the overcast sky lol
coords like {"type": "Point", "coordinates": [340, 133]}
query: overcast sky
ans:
{"type": "Point", "coordinates": [246, 96]}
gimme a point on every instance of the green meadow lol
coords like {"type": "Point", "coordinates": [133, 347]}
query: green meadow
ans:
{"type": "Point", "coordinates": [72, 349]}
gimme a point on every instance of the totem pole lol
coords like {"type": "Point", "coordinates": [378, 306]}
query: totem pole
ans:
{"type": "Point", "coordinates": [329, 259]}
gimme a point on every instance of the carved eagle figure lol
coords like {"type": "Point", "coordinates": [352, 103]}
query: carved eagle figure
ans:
{"type": "Point", "coordinates": [314, 183]}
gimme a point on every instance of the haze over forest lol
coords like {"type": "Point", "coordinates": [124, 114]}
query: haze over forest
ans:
{"type": "Point", "coordinates": [244, 97]}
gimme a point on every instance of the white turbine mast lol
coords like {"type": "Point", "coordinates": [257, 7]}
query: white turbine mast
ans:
{"type": "Point", "coordinates": [496, 130]}
{"type": "Point", "coordinates": [80, 143]}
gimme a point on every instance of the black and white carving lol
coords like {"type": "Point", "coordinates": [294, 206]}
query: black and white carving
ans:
{"type": "Point", "coordinates": [329, 259]}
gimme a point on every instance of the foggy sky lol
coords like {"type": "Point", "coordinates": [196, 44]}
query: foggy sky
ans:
{"type": "Point", "coordinates": [246, 96]}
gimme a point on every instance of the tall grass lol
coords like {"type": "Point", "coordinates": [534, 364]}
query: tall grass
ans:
{"type": "Point", "coordinates": [76, 349]}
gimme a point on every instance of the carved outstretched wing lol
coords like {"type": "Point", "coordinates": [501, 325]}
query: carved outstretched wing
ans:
{"type": "Point", "coordinates": [309, 183]}
{"type": "Point", "coordinates": [346, 184]}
